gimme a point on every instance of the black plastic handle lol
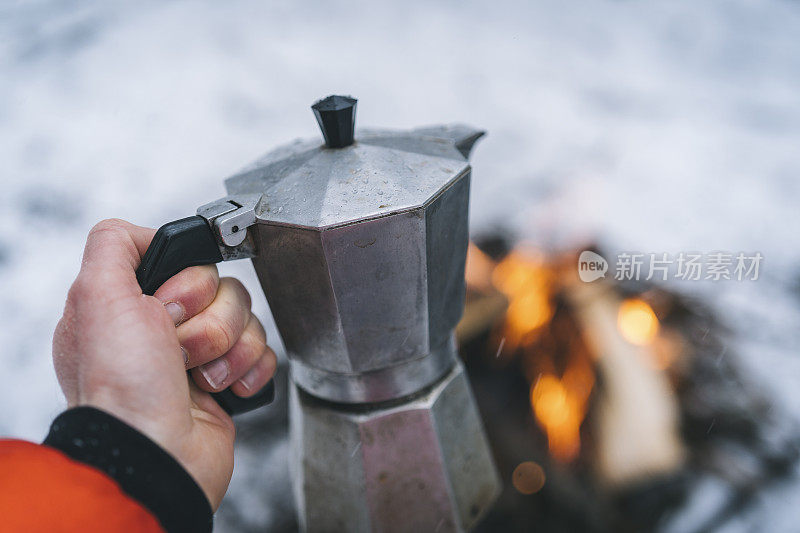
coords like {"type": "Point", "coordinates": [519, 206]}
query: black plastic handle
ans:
{"type": "Point", "coordinates": [178, 245]}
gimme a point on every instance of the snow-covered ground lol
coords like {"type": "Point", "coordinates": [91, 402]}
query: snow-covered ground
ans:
{"type": "Point", "coordinates": [655, 126]}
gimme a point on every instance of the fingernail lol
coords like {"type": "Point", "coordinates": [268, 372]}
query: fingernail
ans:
{"type": "Point", "coordinates": [185, 356]}
{"type": "Point", "coordinates": [215, 372]}
{"type": "Point", "coordinates": [249, 380]}
{"type": "Point", "coordinates": [175, 312]}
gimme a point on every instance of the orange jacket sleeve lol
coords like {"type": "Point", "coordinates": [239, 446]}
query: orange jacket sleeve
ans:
{"type": "Point", "coordinates": [42, 490]}
{"type": "Point", "coordinates": [96, 473]}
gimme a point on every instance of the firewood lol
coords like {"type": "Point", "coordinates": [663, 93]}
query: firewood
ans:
{"type": "Point", "coordinates": [636, 422]}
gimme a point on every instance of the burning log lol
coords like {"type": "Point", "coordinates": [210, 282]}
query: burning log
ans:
{"type": "Point", "coordinates": [636, 423]}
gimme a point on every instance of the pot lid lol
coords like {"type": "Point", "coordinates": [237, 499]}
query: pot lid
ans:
{"type": "Point", "coordinates": [309, 184]}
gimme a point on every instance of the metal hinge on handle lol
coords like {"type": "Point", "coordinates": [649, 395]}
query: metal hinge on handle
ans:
{"type": "Point", "coordinates": [230, 218]}
{"type": "Point", "coordinates": [217, 233]}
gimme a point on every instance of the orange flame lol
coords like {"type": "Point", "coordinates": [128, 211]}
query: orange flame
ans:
{"type": "Point", "coordinates": [637, 322]}
{"type": "Point", "coordinates": [560, 407]}
{"type": "Point", "coordinates": [559, 404]}
{"type": "Point", "coordinates": [528, 282]}
{"type": "Point", "coordinates": [525, 280]}
{"type": "Point", "coordinates": [478, 271]}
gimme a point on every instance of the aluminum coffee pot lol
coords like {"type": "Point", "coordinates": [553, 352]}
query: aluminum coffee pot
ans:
{"type": "Point", "coordinates": [359, 245]}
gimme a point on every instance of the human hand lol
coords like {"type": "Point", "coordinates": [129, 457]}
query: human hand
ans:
{"type": "Point", "coordinates": [120, 351]}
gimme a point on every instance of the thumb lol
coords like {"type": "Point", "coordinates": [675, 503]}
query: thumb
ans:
{"type": "Point", "coordinates": [113, 252]}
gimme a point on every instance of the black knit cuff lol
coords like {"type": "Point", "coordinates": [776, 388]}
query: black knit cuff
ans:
{"type": "Point", "coordinates": [141, 467]}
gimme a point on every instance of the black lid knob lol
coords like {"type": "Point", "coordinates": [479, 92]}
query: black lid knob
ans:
{"type": "Point", "coordinates": [336, 116]}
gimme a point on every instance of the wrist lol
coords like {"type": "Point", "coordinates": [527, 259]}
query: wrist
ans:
{"type": "Point", "coordinates": [142, 468]}
{"type": "Point", "coordinates": [190, 435]}
{"type": "Point", "coordinates": [159, 427]}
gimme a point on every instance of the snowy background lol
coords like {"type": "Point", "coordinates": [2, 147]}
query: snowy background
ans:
{"type": "Point", "coordinates": [656, 126]}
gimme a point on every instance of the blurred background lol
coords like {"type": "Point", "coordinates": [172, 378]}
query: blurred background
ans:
{"type": "Point", "coordinates": [623, 125]}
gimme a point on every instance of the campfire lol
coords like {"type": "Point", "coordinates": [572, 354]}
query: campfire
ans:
{"type": "Point", "coordinates": [608, 404]}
